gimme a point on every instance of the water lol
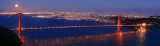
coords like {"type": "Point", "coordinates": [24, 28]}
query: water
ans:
{"type": "Point", "coordinates": [101, 36]}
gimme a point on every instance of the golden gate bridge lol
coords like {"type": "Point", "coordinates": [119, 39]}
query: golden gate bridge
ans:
{"type": "Point", "coordinates": [20, 28]}
{"type": "Point", "coordinates": [53, 27]}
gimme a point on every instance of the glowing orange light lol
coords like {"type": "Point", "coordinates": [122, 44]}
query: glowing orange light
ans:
{"type": "Point", "coordinates": [16, 5]}
{"type": "Point", "coordinates": [144, 24]}
{"type": "Point", "coordinates": [142, 28]}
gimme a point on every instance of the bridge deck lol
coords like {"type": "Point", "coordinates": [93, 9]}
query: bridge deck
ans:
{"type": "Point", "coordinates": [54, 27]}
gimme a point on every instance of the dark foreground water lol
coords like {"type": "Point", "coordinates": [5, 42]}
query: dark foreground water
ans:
{"type": "Point", "coordinates": [101, 36]}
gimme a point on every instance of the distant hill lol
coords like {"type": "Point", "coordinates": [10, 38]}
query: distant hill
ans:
{"type": "Point", "coordinates": [8, 38]}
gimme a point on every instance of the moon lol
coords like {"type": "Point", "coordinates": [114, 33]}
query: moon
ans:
{"type": "Point", "coordinates": [16, 5]}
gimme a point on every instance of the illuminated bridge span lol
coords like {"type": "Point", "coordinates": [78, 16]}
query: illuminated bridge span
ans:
{"type": "Point", "coordinates": [119, 33]}
{"type": "Point", "coordinates": [54, 27]}
{"type": "Point", "coordinates": [20, 28]}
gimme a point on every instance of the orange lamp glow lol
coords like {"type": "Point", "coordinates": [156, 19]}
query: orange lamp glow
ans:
{"type": "Point", "coordinates": [144, 24]}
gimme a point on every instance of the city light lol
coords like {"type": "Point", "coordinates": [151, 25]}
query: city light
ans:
{"type": "Point", "coordinates": [144, 24]}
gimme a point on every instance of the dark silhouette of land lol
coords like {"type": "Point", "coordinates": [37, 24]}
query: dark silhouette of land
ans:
{"type": "Point", "coordinates": [9, 38]}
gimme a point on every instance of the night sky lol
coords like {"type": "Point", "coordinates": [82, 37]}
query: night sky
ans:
{"type": "Point", "coordinates": [83, 5]}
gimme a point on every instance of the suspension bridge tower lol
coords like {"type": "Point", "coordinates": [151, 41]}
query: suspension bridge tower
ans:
{"type": "Point", "coordinates": [119, 32]}
{"type": "Point", "coordinates": [19, 24]}
{"type": "Point", "coordinates": [119, 23]}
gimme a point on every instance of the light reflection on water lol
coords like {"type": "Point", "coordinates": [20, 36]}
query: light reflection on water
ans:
{"type": "Point", "coordinates": [141, 34]}
{"type": "Point", "coordinates": [81, 40]}
{"type": "Point", "coordinates": [120, 38]}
